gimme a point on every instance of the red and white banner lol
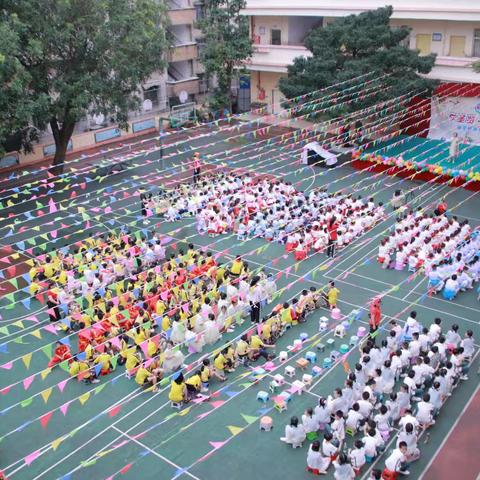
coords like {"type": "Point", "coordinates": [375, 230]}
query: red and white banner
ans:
{"type": "Point", "coordinates": [455, 114]}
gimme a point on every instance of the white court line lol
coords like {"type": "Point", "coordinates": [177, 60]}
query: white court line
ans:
{"type": "Point", "coordinates": [412, 291]}
{"type": "Point", "coordinates": [165, 459]}
{"type": "Point", "coordinates": [450, 432]}
{"type": "Point", "coordinates": [410, 303]}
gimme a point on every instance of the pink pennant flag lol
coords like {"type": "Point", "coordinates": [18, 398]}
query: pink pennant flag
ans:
{"type": "Point", "coordinates": [53, 234]}
{"type": "Point", "coordinates": [115, 341]}
{"type": "Point", "coordinates": [32, 318]}
{"type": "Point", "coordinates": [64, 408]}
{"type": "Point", "coordinates": [217, 445]}
{"type": "Point", "coordinates": [53, 207]}
{"type": "Point", "coordinates": [287, 271]}
{"type": "Point", "coordinates": [28, 381]}
{"type": "Point", "coordinates": [50, 328]}
{"type": "Point", "coordinates": [61, 385]}
{"type": "Point", "coordinates": [29, 459]}
{"type": "Point", "coordinates": [7, 366]}
{"type": "Point", "coordinates": [114, 411]}
{"type": "Point", "coordinates": [217, 403]}
{"type": "Point", "coordinates": [126, 468]}
{"type": "Point", "coordinates": [144, 347]}
{"type": "Point", "coordinates": [44, 419]}
{"type": "Point", "coordinates": [5, 390]}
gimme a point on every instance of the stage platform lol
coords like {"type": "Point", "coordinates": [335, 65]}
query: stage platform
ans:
{"type": "Point", "coordinates": [423, 158]}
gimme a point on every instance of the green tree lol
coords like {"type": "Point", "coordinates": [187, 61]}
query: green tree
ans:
{"type": "Point", "coordinates": [82, 57]}
{"type": "Point", "coordinates": [355, 45]}
{"type": "Point", "coordinates": [15, 107]}
{"type": "Point", "coordinates": [227, 46]}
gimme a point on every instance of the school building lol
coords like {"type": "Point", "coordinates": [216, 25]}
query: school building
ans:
{"type": "Point", "coordinates": [279, 27]}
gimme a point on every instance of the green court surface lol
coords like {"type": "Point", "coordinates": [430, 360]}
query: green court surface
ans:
{"type": "Point", "coordinates": [144, 438]}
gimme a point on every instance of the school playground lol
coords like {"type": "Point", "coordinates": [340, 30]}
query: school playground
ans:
{"type": "Point", "coordinates": [50, 428]}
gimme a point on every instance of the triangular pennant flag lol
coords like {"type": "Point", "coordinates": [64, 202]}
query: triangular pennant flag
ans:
{"type": "Point", "coordinates": [56, 443]}
{"type": "Point", "coordinates": [217, 445]}
{"type": "Point", "coordinates": [234, 430]}
{"type": "Point", "coordinates": [26, 359]}
{"type": "Point", "coordinates": [36, 333]}
{"type": "Point", "coordinates": [30, 458]}
{"type": "Point", "coordinates": [114, 411]}
{"type": "Point", "coordinates": [28, 381]}
{"type": "Point", "coordinates": [44, 419]}
{"type": "Point", "coordinates": [45, 372]}
{"type": "Point", "coordinates": [84, 398]}
{"type": "Point", "coordinates": [64, 408]}
{"type": "Point", "coordinates": [249, 419]}
{"type": "Point", "coordinates": [46, 394]}
{"type": "Point", "coordinates": [26, 402]}
{"type": "Point", "coordinates": [47, 350]}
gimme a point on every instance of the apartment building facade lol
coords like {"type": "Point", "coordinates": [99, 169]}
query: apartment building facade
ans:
{"type": "Point", "coordinates": [185, 74]}
{"type": "Point", "coordinates": [279, 27]}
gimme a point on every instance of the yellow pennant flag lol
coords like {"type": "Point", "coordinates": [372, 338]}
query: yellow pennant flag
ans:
{"type": "Point", "coordinates": [27, 359]}
{"type": "Point", "coordinates": [36, 333]}
{"type": "Point", "coordinates": [15, 256]}
{"type": "Point", "coordinates": [56, 443]}
{"type": "Point", "coordinates": [45, 372]}
{"type": "Point", "coordinates": [46, 394]}
{"type": "Point", "coordinates": [235, 430]}
{"type": "Point", "coordinates": [84, 398]}
{"type": "Point", "coordinates": [18, 324]}
{"type": "Point", "coordinates": [183, 412]}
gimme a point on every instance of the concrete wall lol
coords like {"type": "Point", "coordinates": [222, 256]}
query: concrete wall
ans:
{"type": "Point", "coordinates": [268, 81]}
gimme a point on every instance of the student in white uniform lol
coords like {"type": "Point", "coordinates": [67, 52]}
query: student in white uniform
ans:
{"type": "Point", "coordinates": [294, 433]}
{"type": "Point", "coordinates": [316, 462]}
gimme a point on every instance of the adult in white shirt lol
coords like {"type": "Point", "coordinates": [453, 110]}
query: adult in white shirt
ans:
{"type": "Point", "coordinates": [395, 462]}
{"type": "Point", "coordinates": [294, 433]}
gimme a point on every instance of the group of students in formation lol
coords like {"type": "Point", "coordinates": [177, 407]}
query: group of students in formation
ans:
{"type": "Point", "coordinates": [445, 248]}
{"type": "Point", "coordinates": [274, 210]}
{"type": "Point", "coordinates": [128, 304]}
{"type": "Point", "coordinates": [395, 388]}
{"type": "Point", "coordinates": [250, 347]}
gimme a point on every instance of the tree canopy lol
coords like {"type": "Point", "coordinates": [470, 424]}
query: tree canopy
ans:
{"type": "Point", "coordinates": [70, 58]}
{"type": "Point", "coordinates": [227, 45]}
{"type": "Point", "coordinates": [355, 45]}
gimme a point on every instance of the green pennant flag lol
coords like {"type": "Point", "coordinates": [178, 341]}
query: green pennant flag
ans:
{"type": "Point", "coordinates": [4, 330]}
{"type": "Point", "coordinates": [249, 419]}
{"type": "Point", "coordinates": [18, 340]}
{"type": "Point", "coordinates": [26, 402]}
{"type": "Point", "coordinates": [87, 463]}
{"type": "Point", "coordinates": [100, 387]}
{"type": "Point", "coordinates": [64, 366]}
{"type": "Point", "coordinates": [114, 361]}
{"type": "Point", "coordinates": [14, 282]}
{"type": "Point", "coordinates": [47, 350]}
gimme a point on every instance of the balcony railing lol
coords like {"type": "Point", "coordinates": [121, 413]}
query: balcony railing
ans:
{"type": "Point", "coordinates": [180, 53]}
{"type": "Point", "coordinates": [189, 85]}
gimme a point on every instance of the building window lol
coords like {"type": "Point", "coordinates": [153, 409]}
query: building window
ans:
{"type": "Point", "coordinates": [276, 36]}
{"type": "Point", "coordinates": [457, 46]}
{"type": "Point", "coordinates": [152, 94]}
{"type": "Point", "coordinates": [476, 42]}
{"type": "Point", "coordinates": [424, 43]}
{"type": "Point", "coordinates": [200, 11]}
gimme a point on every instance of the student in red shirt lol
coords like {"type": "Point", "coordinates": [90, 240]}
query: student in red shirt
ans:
{"type": "Point", "coordinates": [441, 207]}
{"type": "Point", "coordinates": [332, 236]}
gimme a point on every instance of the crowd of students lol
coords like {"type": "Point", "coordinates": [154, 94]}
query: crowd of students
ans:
{"type": "Point", "coordinates": [445, 248]}
{"type": "Point", "coordinates": [395, 388]}
{"type": "Point", "coordinates": [274, 210]}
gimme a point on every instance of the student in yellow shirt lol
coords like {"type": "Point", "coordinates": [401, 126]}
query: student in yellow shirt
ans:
{"type": "Point", "coordinates": [141, 377]}
{"type": "Point", "coordinates": [220, 363]}
{"type": "Point", "coordinates": [258, 348]}
{"type": "Point", "coordinates": [104, 360]}
{"type": "Point", "coordinates": [178, 390]}
{"type": "Point", "coordinates": [242, 350]}
{"type": "Point", "coordinates": [193, 384]}
{"type": "Point", "coordinates": [237, 267]}
{"type": "Point", "coordinates": [205, 374]}
{"type": "Point", "coordinates": [332, 294]}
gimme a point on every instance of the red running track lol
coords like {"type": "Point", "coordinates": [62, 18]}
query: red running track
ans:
{"type": "Point", "coordinates": [458, 457]}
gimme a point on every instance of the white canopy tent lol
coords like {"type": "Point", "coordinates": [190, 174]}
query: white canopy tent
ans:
{"type": "Point", "coordinates": [313, 153]}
